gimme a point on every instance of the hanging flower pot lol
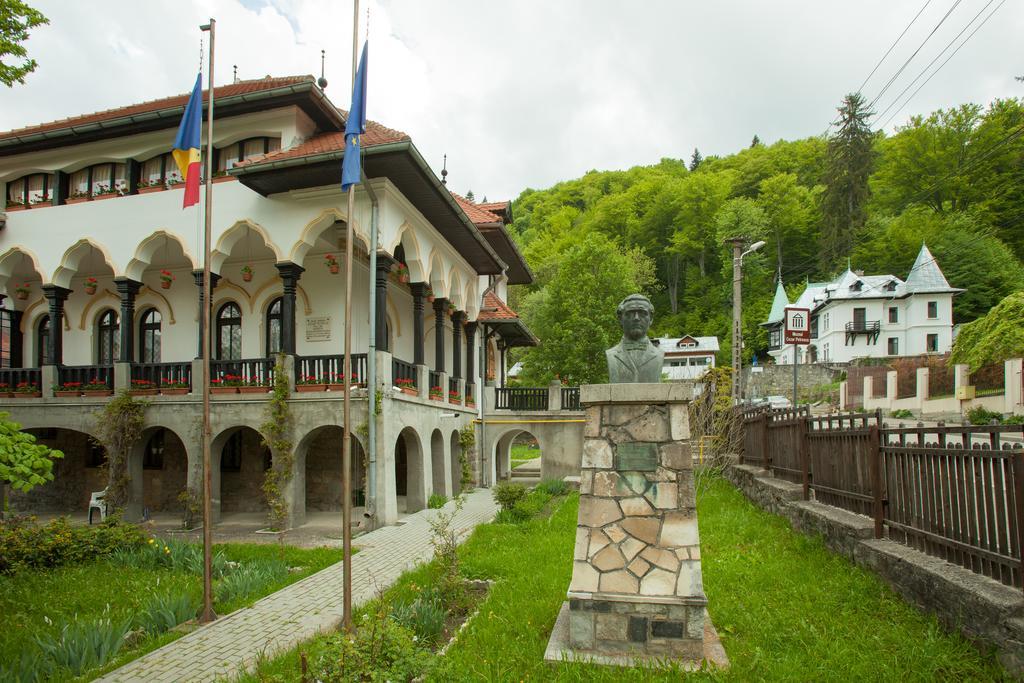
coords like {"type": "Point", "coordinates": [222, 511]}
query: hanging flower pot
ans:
{"type": "Point", "coordinates": [402, 272]}
{"type": "Point", "coordinates": [166, 278]}
{"type": "Point", "coordinates": [247, 273]}
{"type": "Point", "coordinates": [430, 295]}
{"type": "Point", "coordinates": [21, 292]}
{"type": "Point", "coordinates": [331, 263]}
{"type": "Point", "coordinates": [90, 285]}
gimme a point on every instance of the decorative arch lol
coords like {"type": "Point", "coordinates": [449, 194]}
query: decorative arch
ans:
{"type": "Point", "coordinates": [29, 314]}
{"type": "Point", "coordinates": [167, 310]}
{"type": "Point", "coordinates": [220, 297]}
{"type": "Point", "coordinates": [97, 301]}
{"type": "Point", "coordinates": [394, 318]}
{"type": "Point", "coordinates": [413, 251]}
{"type": "Point", "coordinates": [437, 280]}
{"type": "Point", "coordinates": [472, 300]}
{"type": "Point", "coordinates": [16, 256]}
{"type": "Point", "coordinates": [144, 253]}
{"type": "Point", "coordinates": [231, 236]}
{"type": "Point", "coordinates": [69, 263]}
{"type": "Point", "coordinates": [455, 293]}
{"type": "Point", "coordinates": [316, 227]}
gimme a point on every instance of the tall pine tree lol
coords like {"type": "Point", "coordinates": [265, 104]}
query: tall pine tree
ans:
{"type": "Point", "coordinates": [850, 160]}
{"type": "Point", "coordinates": [695, 159]}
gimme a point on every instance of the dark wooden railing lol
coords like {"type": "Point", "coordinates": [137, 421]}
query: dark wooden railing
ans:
{"type": "Point", "coordinates": [953, 492]}
{"type": "Point", "coordinates": [86, 374]}
{"type": "Point", "coordinates": [470, 393]}
{"type": "Point", "coordinates": [435, 380]}
{"type": "Point", "coordinates": [570, 398]}
{"type": "Point", "coordinates": [521, 398]}
{"type": "Point", "coordinates": [163, 374]}
{"type": "Point", "coordinates": [252, 370]}
{"type": "Point", "coordinates": [404, 371]}
{"type": "Point", "coordinates": [329, 369]}
{"type": "Point", "coordinates": [12, 377]}
{"type": "Point", "coordinates": [453, 386]}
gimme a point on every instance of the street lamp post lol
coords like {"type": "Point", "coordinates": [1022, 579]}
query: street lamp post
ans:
{"type": "Point", "coordinates": [737, 310]}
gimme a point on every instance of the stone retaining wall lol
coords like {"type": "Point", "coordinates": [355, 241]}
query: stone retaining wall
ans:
{"type": "Point", "coordinates": [982, 609]}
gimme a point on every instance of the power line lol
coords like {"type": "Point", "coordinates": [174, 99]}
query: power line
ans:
{"type": "Point", "coordinates": [891, 47]}
{"type": "Point", "coordinates": [953, 54]}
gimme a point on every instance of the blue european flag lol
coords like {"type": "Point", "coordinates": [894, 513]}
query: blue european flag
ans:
{"type": "Point", "coordinates": [355, 126]}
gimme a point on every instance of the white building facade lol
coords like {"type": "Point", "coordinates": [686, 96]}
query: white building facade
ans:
{"type": "Point", "coordinates": [687, 357]}
{"type": "Point", "coordinates": [99, 267]}
{"type": "Point", "coordinates": [870, 316]}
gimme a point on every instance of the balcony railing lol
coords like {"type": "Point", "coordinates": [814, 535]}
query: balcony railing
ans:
{"type": "Point", "coordinates": [163, 374]}
{"type": "Point", "coordinates": [521, 398]}
{"type": "Point", "coordinates": [12, 377]}
{"type": "Point", "coordinates": [453, 387]}
{"type": "Point", "coordinates": [435, 379]}
{"type": "Point", "coordinates": [330, 369]}
{"type": "Point", "coordinates": [400, 370]}
{"type": "Point", "coordinates": [863, 326]}
{"type": "Point", "coordinates": [253, 370]}
{"type": "Point", "coordinates": [470, 393]}
{"type": "Point", "coordinates": [570, 398]}
{"type": "Point", "coordinates": [86, 374]}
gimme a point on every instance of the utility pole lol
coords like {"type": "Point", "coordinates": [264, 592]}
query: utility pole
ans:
{"type": "Point", "coordinates": [737, 314]}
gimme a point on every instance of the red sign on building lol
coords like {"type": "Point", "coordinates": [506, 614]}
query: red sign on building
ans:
{"type": "Point", "coordinates": [798, 326]}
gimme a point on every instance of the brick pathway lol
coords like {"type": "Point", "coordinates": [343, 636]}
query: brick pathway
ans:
{"type": "Point", "coordinates": [280, 621]}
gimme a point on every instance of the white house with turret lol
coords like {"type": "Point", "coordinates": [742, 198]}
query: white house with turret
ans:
{"type": "Point", "coordinates": [869, 316]}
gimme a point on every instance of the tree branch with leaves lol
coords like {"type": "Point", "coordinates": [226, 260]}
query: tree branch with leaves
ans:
{"type": "Point", "coordinates": [16, 20]}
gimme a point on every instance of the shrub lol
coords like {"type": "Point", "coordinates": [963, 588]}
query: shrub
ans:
{"type": "Point", "coordinates": [552, 487]}
{"type": "Point", "coordinates": [25, 544]}
{"type": "Point", "coordinates": [424, 616]}
{"type": "Point", "coordinates": [1013, 420]}
{"type": "Point", "coordinates": [381, 649]}
{"type": "Point", "coordinates": [901, 414]}
{"type": "Point", "coordinates": [436, 501]}
{"type": "Point", "coordinates": [980, 415]}
{"type": "Point", "coordinates": [508, 494]}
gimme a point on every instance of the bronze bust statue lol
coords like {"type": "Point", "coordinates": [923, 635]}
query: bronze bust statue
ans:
{"type": "Point", "coordinates": [635, 359]}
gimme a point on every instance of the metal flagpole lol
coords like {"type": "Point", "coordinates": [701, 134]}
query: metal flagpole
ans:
{"type": "Point", "coordinates": [208, 613]}
{"type": "Point", "coordinates": [346, 447]}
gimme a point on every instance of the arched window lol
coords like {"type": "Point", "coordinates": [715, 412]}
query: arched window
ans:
{"type": "Point", "coordinates": [108, 335]}
{"type": "Point", "coordinates": [229, 332]}
{"type": "Point", "coordinates": [273, 327]}
{"type": "Point", "coordinates": [43, 341]}
{"type": "Point", "coordinates": [149, 337]}
{"type": "Point", "coordinates": [153, 457]}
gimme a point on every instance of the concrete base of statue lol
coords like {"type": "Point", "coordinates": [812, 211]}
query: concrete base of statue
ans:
{"type": "Point", "coordinates": [636, 592]}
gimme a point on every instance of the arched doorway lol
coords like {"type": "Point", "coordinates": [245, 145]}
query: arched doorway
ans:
{"type": "Point", "coordinates": [409, 480]}
{"type": "Point", "coordinates": [82, 471]}
{"type": "Point", "coordinates": [517, 455]}
{"type": "Point", "coordinates": [242, 462]}
{"type": "Point", "coordinates": [323, 460]}
{"type": "Point", "coordinates": [438, 469]}
{"type": "Point", "coordinates": [164, 472]}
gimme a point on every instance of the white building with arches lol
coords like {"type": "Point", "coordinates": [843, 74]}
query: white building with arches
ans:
{"type": "Point", "coordinates": [101, 273]}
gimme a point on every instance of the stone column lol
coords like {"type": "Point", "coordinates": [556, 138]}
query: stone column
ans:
{"type": "Point", "coordinates": [440, 308]}
{"type": "Point", "coordinates": [127, 289]}
{"type": "Point", "coordinates": [418, 294]}
{"type": "Point", "coordinates": [457, 320]}
{"type": "Point", "coordinates": [384, 263]}
{"type": "Point", "coordinates": [214, 279]}
{"type": "Point", "coordinates": [17, 340]}
{"type": "Point", "coordinates": [290, 274]}
{"type": "Point", "coordinates": [56, 296]}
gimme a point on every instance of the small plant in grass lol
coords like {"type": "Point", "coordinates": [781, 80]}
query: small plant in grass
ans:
{"type": "Point", "coordinates": [980, 415]}
{"type": "Point", "coordinates": [552, 487]}
{"type": "Point", "coordinates": [84, 645]}
{"type": "Point", "coordinates": [436, 501]}
{"type": "Point", "coordinates": [164, 612]}
{"type": "Point", "coordinates": [425, 616]}
{"type": "Point", "coordinates": [507, 494]}
{"type": "Point", "coordinates": [901, 414]}
{"type": "Point", "coordinates": [249, 579]}
{"type": "Point", "coordinates": [444, 537]}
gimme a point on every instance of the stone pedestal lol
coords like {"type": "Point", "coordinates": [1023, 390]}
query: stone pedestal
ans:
{"type": "Point", "coordinates": [636, 590]}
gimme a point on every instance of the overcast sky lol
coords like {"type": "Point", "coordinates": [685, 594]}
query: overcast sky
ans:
{"type": "Point", "coordinates": [527, 93]}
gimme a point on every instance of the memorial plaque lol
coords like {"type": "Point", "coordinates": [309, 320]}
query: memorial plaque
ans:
{"type": "Point", "coordinates": [636, 457]}
{"type": "Point", "coordinates": [318, 328]}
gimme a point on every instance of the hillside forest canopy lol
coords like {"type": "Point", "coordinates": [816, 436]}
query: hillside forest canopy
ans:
{"type": "Point", "coordinates": [953, 179]}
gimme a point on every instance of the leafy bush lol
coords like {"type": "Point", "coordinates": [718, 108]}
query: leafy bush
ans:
{"type": "Point", "coordinates": [25, 544]}
{"type": "Point", "coordinates": [980, 415]}
{"type": "Point", "coordinates": [249, 579]}
{"type": "Point", "coordinates": [901, 414]}
{"type": "Point", "coordinates": [552, 487]}
{"type": "Point", "coordinates": [81, 646]}
{"type": "Point", "coordinates": [1013, 420]}
{"type": "Point", "coordinates": [164, 612]}
{"type": "Point", "coordinates": [436, 501]}
{"type": "Point", "coordinates": [424, 616]}
{"type": "Point", "coordinates": [381, 649]}
{"type": "Point", "coordinates": [508, 494]}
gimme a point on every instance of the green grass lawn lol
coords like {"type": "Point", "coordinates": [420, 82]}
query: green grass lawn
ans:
{"type": "Point", "coordinates": [521, 453]}
{"type": "Point", "coordinates": [786, 608]}
{"type": "Point", "coordinates": [38, 602]}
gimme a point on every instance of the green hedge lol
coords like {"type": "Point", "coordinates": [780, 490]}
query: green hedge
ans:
{"type": "Point", "coordinates": [25, 544]}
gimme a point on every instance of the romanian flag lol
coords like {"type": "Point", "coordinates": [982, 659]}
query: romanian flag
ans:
{"type": "Point", "coordinates": [186, 144]}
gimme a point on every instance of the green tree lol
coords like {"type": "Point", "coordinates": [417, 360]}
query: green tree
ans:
{"type": "Point", "coordinates": [850, 160]}
{"type": "Point", "coordinates": [469, 195]}
{"type": "Point", "coordinates": [993, 338]}
{"type": "Point", "coordinates": [574, 314]}
{"type": "Point", "coordinates": [695, 159]}
{"type": "Point", "coordinates": [16, 20]}
{"type": "Point", "coordinates": [24, 464]}
{"type": "Point", "coordinates": [791, 215]}
{"type": "Point", "coordinates": [756, 141]}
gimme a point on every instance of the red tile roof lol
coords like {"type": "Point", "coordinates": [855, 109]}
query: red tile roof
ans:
{"type": "Point", "coordinates": [494, 206]}
{"type": "Point", "coordinates": [495, 309]}
{"type": "Point", "coordinates": [240, 88]}
{"type": "Point", "coordinates": [476, 212]}
{"type": "Point", "coordinates": [324, 143]}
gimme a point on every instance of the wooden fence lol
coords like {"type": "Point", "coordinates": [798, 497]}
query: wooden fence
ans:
{"type": "Point", "coordinates": [953, 492]}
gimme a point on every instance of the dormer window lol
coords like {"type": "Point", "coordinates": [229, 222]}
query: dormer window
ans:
{"type": "Point", "coordinates": [31, 189]}
{"type": "Point", "coordinates": [857, 286]}
{"type": "Point", "coordinates": [230, 155]}
{"type": "Point", "coordinates": [890, 286]}
{"type": "Point", "coordinates": [687, 343]}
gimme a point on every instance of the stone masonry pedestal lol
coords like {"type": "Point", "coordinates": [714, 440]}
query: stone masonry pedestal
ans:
{"type": "Point", "coordinates": [636, 592]}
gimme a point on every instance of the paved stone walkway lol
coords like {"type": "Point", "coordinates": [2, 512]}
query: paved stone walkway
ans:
{"type": "Point", "coordinates": [280, 621]}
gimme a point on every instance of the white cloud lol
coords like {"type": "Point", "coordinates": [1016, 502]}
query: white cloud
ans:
{"type": "Point", "coordinates": [532, 92]}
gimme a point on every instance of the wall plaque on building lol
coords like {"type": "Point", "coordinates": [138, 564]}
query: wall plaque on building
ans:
{"type": "Point", "coordinates": [318, 328]}
{"type": "Point", "coordinates": [636, 457]}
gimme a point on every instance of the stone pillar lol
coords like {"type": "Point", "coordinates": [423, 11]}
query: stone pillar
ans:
{"type": "Point", "coordinates": [418, 296]}
{"type": "Point", "coordinates": [554, 395]}
{"type": "Point", "coordinates": [470, 352]}
{"type": "Point", "coordinates": [127, 289]}
{"type": "Point", "coordinates": [440, 309]}
{"type": "Point", "coordinates": [56, 296]}
{"type": "Point", "coordinates": [457, 319]}
{"type": "Point", "coordinates": [423, 380]}
{"type": "Point", "coordinates": [636, 590]}
{"type": "Point", "coordinates": [290, 274]}
{"type": "Point", "coordinates": [891, 387]}
{"type": "Point", "coordinates": [384, 263]}
{"type": "Point", "coordinates": [922, 387]}
{"type": "Point", "coordinates": [214, 279]}
{"type": "Point", "coordinates": [868, 387]}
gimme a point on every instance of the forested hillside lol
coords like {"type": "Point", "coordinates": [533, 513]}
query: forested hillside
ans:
{"type": "Point", "coordinates": [953, 179]}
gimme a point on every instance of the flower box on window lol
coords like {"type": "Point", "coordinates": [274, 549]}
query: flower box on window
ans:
{"type": "Point", "coordinates": [15, 206]}
{"type": "Point", "coordinates": [67, 390]}
{"type": "Point", "coordinates": [407, 386]}
{"type": "Point", "coordinates": [436, 394]}
{"type": "Point", "coordinates": [254, 385]}
{"type": "Point", "coordinates": [27, 390]}
{"type": "Point", "coordinates": [142, 387]}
